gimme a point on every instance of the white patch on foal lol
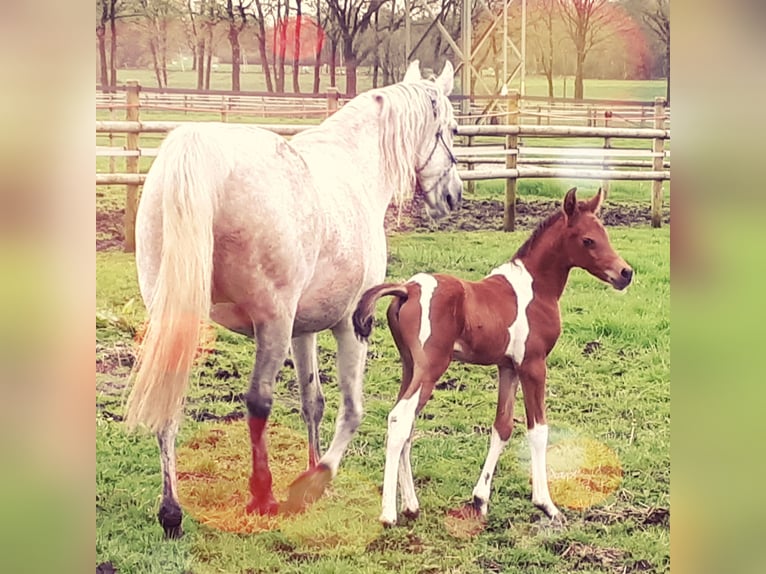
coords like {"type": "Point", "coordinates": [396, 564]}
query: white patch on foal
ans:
{"type": "Point", "coordinates": [427, 287]}
{"type": "Point", "coordinates": [538, 443]}
{"type": "Point", "coordinates": [400, 421]}
{"type": "Point", "coordinates": [521, 281]}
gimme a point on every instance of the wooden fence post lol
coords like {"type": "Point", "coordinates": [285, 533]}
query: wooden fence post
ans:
{"type": "Point", "coordinates": [658, 161]}
{"type": "Point", "coordinates": [607, 145]}
{"type": "Point", "coordinates": [332, 100]}
{"type": "Point", "coordinates": [131, 166]}
{"type": "Point", "coordinates": [470, 184]}
{"type": "Point", "coordinates": [511, 155]}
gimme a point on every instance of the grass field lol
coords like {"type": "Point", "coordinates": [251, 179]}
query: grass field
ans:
{"type": "Point", "coordinates": [615, 392]}
{"type": "Point", "coordinates": [252, 80]}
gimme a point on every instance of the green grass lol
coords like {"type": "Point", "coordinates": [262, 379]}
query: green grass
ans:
{"type": "Point", "coordinates": [252, 79]}
{"type": "Point", "coordinates": [618, 395]}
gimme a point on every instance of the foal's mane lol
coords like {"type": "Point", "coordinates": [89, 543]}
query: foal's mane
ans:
{"type": "Point", "coordinates": [406, 116]}
{"type": "Point", "coordinates": [541, 228]}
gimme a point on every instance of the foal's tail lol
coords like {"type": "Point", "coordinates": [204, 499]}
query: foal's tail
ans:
{"type": "Point", "coordinates": [365, 309]}
{"type": "Point", "coordinates": [187, 174]}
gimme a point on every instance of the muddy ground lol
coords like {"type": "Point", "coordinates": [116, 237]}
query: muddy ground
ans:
{"type": "Point", "coordinates": [473, 215]}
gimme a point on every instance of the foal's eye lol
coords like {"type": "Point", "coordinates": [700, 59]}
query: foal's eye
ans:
{"type": "Point", "coordinates": [588, 242]}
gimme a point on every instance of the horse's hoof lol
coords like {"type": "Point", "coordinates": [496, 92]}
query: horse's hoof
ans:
{"type": "Point", "coordinates": [558, 521]}
{"type": "Point", "coordinates": [170, 517]}
{"type": "Point", "coordinates": [263, 506]}
{"type": "Point", "coordinates": [387, 523]}
{"type": "Point", "coordinates": [411, 514]}
{"type": "Point", "coordinates": [306, 489]}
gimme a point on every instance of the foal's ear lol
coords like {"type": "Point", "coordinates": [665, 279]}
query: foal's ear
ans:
{"type": "Point", "coordinates": [446, 80]}
{"type": "Point", "coordinates": [570, 202]}
{"type": "Point", "coordinates": [594, 203]}
{"type": "Point", "coordinates": [413, 72]}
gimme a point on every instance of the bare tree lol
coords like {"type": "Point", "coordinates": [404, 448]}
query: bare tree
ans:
{"type": "Point", "coordinates": [155, 15]}
{"type": "Point", "coordinates": [318, 47]}
{"type": "Point", "coordinates": [260, 36]}
{"type": "Point", "coordinates": [297, 46]}
{"type": "Point", "coordinates": [585, 22]}
{"type": "Point", "coordinates": [657, 17]}
{"type": "Point", "coordinates": [236, 19]}
{"type": "Point", "coordinates": [544, 19]}
{"type": "Point", "coordinates": [352, 18]}
{"type": "Point", "coordinates": [103, 17]}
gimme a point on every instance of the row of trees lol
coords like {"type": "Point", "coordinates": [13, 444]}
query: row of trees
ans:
{"type": "Point", "coordinates": [607, 38]}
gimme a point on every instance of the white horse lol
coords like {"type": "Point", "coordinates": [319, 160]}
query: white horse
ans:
{"type": "Point", "coordinates": [277, 240]}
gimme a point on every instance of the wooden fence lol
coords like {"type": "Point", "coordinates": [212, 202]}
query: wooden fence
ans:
{"type": "Point", "coordinates": [533, 110]}
{"type": "Point", "coordinates": [488, 151]}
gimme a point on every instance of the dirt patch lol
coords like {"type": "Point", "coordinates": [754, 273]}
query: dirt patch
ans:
{"type": "Point", "coordinates": [473, 215]}
{"type": "Point", "coordinates": [487, 215]}
{"type": "Point", "coordinates": [111, 360]}
{"type": "Point", "coordinates": [644, 517]}
{"type": "Point", "coordinates": [109, 230]}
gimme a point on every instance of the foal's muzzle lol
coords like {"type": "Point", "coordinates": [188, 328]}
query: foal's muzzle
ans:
{"type": "Point", "coordinates": [622, 280]}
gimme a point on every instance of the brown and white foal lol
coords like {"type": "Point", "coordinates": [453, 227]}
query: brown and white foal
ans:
{"type": "Point", "coordinates": [510, 319]}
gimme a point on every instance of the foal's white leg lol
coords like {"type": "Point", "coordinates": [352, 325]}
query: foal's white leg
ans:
{"type": "Point", "coordinates": [501, 434]}
{"type": "Point", "coordinates": [541, 496]}
{"type": "Point", "coordinates": [410, 504]}
{"type": "Point", "coordinates": [170, 510]}
{"type": "Point", "coordinates": [312, 399]}
{"type": "Point", "coordinates": [400, 421]}
{"type": "Point", "coordinates": [351, 357]}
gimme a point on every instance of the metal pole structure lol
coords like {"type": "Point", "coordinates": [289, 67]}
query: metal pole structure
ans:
{"type": "Point", "coordinates": [523, 47]}
{"type": "Point", "coordinates": [505, 46]}
{"type": "Point", "coordinates": [465, 31]}
{"type": "Point", "coordinates": [407, 32]}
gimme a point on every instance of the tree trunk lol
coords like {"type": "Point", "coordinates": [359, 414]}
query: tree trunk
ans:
{"type": "Point", "coordinates": [235, 56]}
{"type": "Point", "coordinates": [318, 52]}
{"type": "Point", "coordinates": [297, 48]}
{"type": "Point", "coordinates": [113, 44]}
{"type": "Point", "coordinates": [209, 56]}
{"type": "Point", "coordinates": [578, 83]}
{"type": "Point", "coordinates": [282, 50]}
{"type": "Point", "coordinates": [333, 58]}
{"type": "Point", "coordinates": [261, 36]}
{"type": "Point", "coordinates": [155, 62]}
{"type": "Point", "coordinates": [102, 64]}
{"type": "Point", "coordinates": [350, 57]}
{"type": "Point", "coordinates": [200, 58]}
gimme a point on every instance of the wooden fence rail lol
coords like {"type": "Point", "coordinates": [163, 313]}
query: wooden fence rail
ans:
{"type": "Point", "coordinates": [475, 163]}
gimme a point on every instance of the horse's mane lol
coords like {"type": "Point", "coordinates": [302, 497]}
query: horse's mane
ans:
{"type": "Point", "coordinates": [406, 114]}
{"type": "Point", "coordinates": [541, 228]}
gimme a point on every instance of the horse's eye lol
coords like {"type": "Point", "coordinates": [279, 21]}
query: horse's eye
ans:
{"type": "Point", "coordinates": [454, 131]}
{"type": "Point", "coordinates": [588, 242]}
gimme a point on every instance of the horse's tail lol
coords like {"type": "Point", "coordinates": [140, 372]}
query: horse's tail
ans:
{"type": "Point", "coordinates": [188, 174]}
{"type": "Point", "coordinates": [365, 309]}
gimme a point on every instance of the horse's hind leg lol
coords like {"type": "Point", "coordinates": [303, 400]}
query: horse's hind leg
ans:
{"type": "Point", "coordinates": [312, 399]}
{"type": "Point", "coordinates": [273, 341]}
{"type": "Point", "coordinates": [170, 513]}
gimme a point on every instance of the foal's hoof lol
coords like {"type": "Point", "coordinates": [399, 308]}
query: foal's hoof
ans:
{"type": "Point", "coordinates": [170, 517]}
{"type": "Point", "coordinates": [306, 489]}
{"type": "Point", "coordinates": [264, 506]}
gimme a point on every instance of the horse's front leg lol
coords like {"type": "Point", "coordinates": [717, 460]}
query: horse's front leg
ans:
{"type": "Point", "coordinates": [501, 434]}
{"type": "Point", "coordinates": [273, 341]}
{"type": "Point", "coordinates": [351, 356]}
{"type": "Point", "coordinates": [532, 373]}
{"type": "Point", "coordinates": [170, 514]}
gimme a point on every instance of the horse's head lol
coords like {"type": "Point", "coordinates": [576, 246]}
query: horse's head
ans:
{"type": "Point", "coordinates": [436, 166]}
{"type": "Point", "coordinates": [587, 243]}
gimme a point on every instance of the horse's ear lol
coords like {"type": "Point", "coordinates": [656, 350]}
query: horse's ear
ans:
{"type": "Point", "coordinates": [570, 202]}
{"type": "Point", "coordinates": [594, 203]}
{"type": "Point", "coordinates": [446, 80]}
{"type": "Point", "coordinates": [413, 72]}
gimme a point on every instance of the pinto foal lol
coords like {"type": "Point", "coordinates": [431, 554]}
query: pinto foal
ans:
{"type": "Point", "coordinates": [510, 319]}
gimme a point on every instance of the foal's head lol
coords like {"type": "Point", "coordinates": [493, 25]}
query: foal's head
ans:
{"type": "Point", "coordinates": [586, 243]}
{"type": "Point", "coordinates": [436, 169]}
